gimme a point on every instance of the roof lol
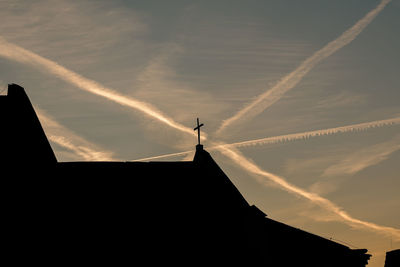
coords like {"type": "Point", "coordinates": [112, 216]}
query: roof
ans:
{"type": "Point", "coordinates": [392, 258]}
{"type": "Point", "coordinates": [159, 212]}
{"type": "Point", "coordinates": [22, 136]}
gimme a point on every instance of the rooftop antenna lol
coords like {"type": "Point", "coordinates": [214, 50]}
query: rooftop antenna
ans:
{"type": "Point", "coordinates": [198, 132]}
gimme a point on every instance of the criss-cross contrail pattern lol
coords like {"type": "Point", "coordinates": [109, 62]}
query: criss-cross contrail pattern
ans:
{"type": "Point", "coordinates": [343, 216]}
{"type": "Point", "coordinates": [19, 54]}
{"type": "Point", "coordinates": [271, 96]}
{"type": "Point", "coordinates": [293, 137]}
{"type": "Point", "coordinates": [14, 52]}
{"type": "Point", "coordinates": [229, 151]}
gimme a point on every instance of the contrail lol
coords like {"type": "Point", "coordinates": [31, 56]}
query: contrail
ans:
{"type": "Point", "coordinates": [85, 152]}
{"type": "Point", "coordinates": [165, 156]}
{"type": "Point", "coordinates": [309, 134]}
{"type": "Point", "coordinates": [238, 158]}
{"type": "Point", "coordinates": [64, 137]}
{"type": "Point", "coordinates": [271, 96]}
{"type": "Point", "coordinates": [14, 52]}
{"type": "Point", "coordinates": [293, 137]}
{"type": "Point", "coordinates": [243, 162]}
{"type": "Point", "coordinates": [21, 55]}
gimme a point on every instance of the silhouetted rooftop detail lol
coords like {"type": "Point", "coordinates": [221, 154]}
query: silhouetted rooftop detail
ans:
{"type": "Point", "coordinates": [157, 213]}
{"type": "Point", "coordinates": [198, 130]}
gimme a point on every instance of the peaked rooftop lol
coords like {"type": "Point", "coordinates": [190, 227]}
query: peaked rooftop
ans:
{"type": "Point", "coordinates": [22, 135]}
{"type": "Point", "coordinates": [157, 212]}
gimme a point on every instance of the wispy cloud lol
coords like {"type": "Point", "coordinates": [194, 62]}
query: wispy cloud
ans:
{"type": "Point", "coordinates": [158, 83]}
{"type": "Point", "coordinates": [68, 29]}
{"type": "Point", "coordinates": [60, 135]}
{"type": "Point", "coordinates": [288, 82]}
{"type": "Point", "coordinates": [340, 100]}
{"type": "Point", "coordinates": [364, 158]}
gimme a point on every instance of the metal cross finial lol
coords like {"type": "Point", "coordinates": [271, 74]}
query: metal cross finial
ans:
{"type": "Point", "coordinates": [198, 130]}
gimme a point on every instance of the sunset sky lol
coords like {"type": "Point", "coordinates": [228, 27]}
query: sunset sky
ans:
{"type": "Point", "coordinates": [126, 80]}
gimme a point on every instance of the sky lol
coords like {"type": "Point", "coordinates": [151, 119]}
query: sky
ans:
{"type": "Point", "coordinates": [316, 80]}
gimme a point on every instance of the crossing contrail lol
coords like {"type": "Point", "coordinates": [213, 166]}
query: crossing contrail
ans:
{"type": "Point", "coordinates": [271, 96]}
{"type": "Point", "coordinates": [19, 54]}
{"type": "Point", "coordinates": [292, 137]}
{"type": "Point", "coordinates": [229, 151]}
{"type": "Point", "coordinates": [343, 216]}
{"type": "Point", "coordinates": [309, 134]}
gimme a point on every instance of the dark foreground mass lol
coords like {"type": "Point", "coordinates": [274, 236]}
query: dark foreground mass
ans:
{"type": "Point", "coordinates": [143, 213]}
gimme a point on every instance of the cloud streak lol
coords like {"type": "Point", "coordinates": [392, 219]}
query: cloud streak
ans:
{"type": "Point", "coordinates": [305, 135]}
{"type": "Point", "coordinates": [288, 82]}
{"type": "Point", "coordinates": [19, 54]}
{"type": "Point", "coordinates": [292, 137]}
{"type": "Point", "coordinates": [184, 153]}
{"type": "Point", "coordinates": [159, 83]}
{"type": "Point", "coordinates": [343, 216]}
{"type": "Point", "coordinates": [364, 158]}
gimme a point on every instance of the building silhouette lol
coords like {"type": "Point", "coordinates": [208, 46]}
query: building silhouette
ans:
{"type": "Point", "coordinates": [144, 213]}
{"type": "Point", "coordinates": [392, 258]}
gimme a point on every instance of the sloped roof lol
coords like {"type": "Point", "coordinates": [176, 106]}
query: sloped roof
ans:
{"type": "Point", "coordinates": [22, 137]}
{"type": "Point", "coordinates": [160, 212]}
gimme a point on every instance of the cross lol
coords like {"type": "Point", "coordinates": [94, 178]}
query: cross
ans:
{"type": "Point", "coordinates": [198, 130]}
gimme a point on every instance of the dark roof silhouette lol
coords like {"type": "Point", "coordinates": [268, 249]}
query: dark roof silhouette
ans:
{"type": "Point", "coordinates": [179, 213]}
{"type": "Point", "coordinates": [21, 132]}
{"type": "Point", "coordinates": [392, 258]}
